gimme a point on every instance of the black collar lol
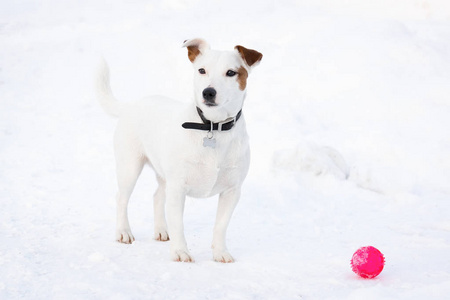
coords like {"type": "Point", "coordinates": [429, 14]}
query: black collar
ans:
{"type": "Point", "coordinates": [207, 125]}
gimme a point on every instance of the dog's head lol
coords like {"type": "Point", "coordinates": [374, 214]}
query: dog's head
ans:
{"type": "Point", "coordinates": [220, 78]}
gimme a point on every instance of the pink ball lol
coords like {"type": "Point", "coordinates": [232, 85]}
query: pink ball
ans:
{"type": "Point", "coordinates": [367, 262]}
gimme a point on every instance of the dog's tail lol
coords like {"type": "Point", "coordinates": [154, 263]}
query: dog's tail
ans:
{"type": "Point", "coordinates": [104, 92]}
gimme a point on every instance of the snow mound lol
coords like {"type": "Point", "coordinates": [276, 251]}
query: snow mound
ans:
{"type": "Point", "coordinates": [313, 159]}
{"type": "Point", "coordinates": [383, 179]}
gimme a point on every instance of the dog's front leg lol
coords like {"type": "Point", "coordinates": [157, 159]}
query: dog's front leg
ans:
{"type": "Point", "coordinates": [227, 203]}
{"type": "Point", "coordinates": [175, 207]}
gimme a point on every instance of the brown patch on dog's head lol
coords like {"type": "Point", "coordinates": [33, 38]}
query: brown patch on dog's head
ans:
{"type": "Point", "coordinates": [193, 52]}
{"type": "Point", "coordinates": [242, 75]}
{"type": "Point", "coordinates": [195, 48]}
{"type": "Point", "coordinates": [250, 56]}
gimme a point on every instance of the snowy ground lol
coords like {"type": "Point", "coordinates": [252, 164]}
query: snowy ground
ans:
{"type": "Point", "coordinates": [349, 117]}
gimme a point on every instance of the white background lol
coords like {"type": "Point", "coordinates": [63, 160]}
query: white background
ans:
{"type": "Point", "coordinates": [349, 118]}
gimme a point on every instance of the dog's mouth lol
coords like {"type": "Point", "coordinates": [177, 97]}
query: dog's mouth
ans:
{"type": "Point", "coordinates": [210, 104]}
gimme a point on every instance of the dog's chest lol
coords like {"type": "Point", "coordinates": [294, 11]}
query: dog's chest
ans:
{"type": "Point", "coordinates": [213, 171]}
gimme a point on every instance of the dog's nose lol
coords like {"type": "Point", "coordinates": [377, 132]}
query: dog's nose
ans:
{"type": "Point", "coordinates": [209, 94]}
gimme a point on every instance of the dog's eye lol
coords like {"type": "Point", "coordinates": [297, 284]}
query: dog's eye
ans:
{"type": "Point", "coordinates": [202, 71]}
{"type": "Point", "coordinates": [231, 73]}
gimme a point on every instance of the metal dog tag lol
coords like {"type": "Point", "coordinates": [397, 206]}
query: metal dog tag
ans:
{"type": "Point", "coordinates": [209, 142]}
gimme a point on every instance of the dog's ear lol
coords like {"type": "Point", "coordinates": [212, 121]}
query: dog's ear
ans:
{"type": "Point", "coordinates": [195, 48]}
{"type": "Point", "coordinates": [251, 57]}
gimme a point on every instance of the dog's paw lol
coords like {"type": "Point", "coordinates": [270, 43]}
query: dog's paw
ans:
{"type": "Point", "coordinates": [182, 256]}
{"type": "Point", "coordinates": [124, 236]}
{"type": "Point", "coordinates": [161, 235]}
{"type": "Point", "coordinates": [223, 257]}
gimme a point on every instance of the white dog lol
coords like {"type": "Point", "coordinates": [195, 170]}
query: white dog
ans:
{"type": "Point", "coordinates": [196, 150]}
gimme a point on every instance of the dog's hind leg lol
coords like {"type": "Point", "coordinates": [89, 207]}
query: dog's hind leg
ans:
{"type": "Point", "coordinates": [159, 203]}
{"type": "Point", "coordinates": [129, 164]}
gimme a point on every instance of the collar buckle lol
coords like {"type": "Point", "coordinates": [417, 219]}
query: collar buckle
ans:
{"type": "Point", "coordinates": [228, 122]}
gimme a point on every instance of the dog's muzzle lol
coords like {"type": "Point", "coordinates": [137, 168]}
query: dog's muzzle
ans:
{"type": "Point", "coordinates": [209, 95]}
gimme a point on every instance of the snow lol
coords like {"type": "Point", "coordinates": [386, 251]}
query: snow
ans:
{"type": "Point", "coordinates": [348, 115]}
